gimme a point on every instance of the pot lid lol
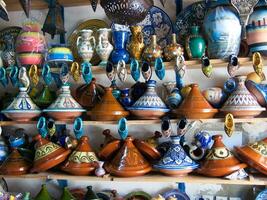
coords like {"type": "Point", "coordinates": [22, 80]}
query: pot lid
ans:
{"type": "Point", "coordinates": [66, 195]}
{"type": "Point", "coordinates": [90, 194]}
{"type": "Point", "coordinates": [43, 194]}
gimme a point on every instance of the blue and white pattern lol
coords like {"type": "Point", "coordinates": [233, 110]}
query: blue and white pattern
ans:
{"type": "Point", "coordinates": [262, 195]}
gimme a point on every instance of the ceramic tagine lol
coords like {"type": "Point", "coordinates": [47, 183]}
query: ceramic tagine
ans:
{"type": "Point", "coordinates": [43, 194]}
{"type": "Point", "coordinates": [149, 105]}
{"type": "Point", "coordinates": [241, 103]}
{"type": "Point", "coordinates": [219, 161]}
{"type": "Point", "coordinates": [108, 108]}
{"type": "Point", "coordinates": [255, 155]}
{"type": "Point", "coordinates": [47, 154]}
{"type": "Point", "coordinates": [195, 106]}
{"type": "Point", "coordinates": [22, 107]}
{"type": "Point", "coordinates": [82, 160]}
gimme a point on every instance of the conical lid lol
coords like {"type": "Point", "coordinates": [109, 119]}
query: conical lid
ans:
{"type": "Point", "coordinates": [26, 196]}
{"type": "Point", "coordinates": [195, 105]}
{"type": "Point", "coordinates": [47, 154]}
{"type": "Point", "coordinates": [81, 161]}
{"type": "Point", "coordinates": [108, 108]}
{"type": "Point", "coordinates": [128, 161]}
{"type": "Point", "coordinates": [15, 164]}
{"type": "Point", "coordinates": [66, 195]}
{"type": "Point", "coordinates": [45, 98]}
{"type": "Point", "coordinates": [43, 194]}
{"type": "Point", "coordinates": [255, 155]}
{"type": "Point", "coordinates": [26, 6]}
{"type": "Point", "coordinates": [219, 161]}
{"type": "Point", "coordinates": [90, 194]}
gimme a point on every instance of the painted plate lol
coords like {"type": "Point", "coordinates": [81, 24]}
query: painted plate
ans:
{"type": "Point", "coordinates": [176, 194]}
{"type": "Point", "coordinates": [93, 24]}
{"type": "Point", "coordinates": [262, 195]}
{"type": "Point", "coordinates": [13, 31]}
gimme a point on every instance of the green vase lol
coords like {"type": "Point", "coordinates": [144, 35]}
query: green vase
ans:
{"type": "Point", "coordinates": [45, 98]}
{"type": "Point", "coordinates": [43, 194]}
{"type": "Point", "coordinates": [66, 195]}
{"type": "Point", "coordinates": [195, 44]}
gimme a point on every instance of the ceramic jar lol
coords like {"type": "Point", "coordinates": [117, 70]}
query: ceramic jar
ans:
{"type": "Point", "coordinates": [256, 29]}
{"type": "Point", "coordinates": [153, 51]}
{"type": "Point", "coordinates": [137, 44]}
{"type": "Point", "coordinates": [222, 27]}
{"type": "Point", "coordinates": [120, 39]}
{"type": "Point", "coordinates": [173, 50]}
{"type": "Point", "coordinates": [86, 45]}
{"type": "Point", "coordinates": [195, 44]}
{"type": "Point", "coordinates": [104, 47]}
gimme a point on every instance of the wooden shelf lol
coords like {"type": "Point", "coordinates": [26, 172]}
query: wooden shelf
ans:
{"type": "Point", "coordinates": [150, 178]}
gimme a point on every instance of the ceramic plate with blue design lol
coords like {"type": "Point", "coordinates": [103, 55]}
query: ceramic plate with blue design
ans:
{"type": "Point", "coordinates": [262, 195]}
{"type": "Point", "coordinates": [176, 194]}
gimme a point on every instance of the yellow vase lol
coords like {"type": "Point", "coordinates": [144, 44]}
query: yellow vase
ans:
{"type": "Point", "coordinates": [136, 45]}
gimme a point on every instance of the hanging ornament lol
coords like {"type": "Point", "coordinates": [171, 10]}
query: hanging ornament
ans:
{"type": "Point", "coordinates": [94, 4]}
{"type": "Point", "coordinates": [26, 5]}
{"type": "Point", "coordinates": [229, 124]}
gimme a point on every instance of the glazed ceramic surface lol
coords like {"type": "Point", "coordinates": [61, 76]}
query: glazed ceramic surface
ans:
{"type": "Point", "coordinates": [86, 44]}
{"type": "Point", "coordinates": [153, 51]}
{"type": "Point", "coordinates": [8, 54]}
{"type": "Point", "coordinates": [120, 53]}
{"type": "Point", "coordinates": [136, 46]}
{"type": "Point", "coordinates": [60, 53]}
{"type": "Point", "coordinates": [104, 47]}
{"type": "Point", "coordinates": [258, 90]}
{"type": "Point", "coordinates": [173, 50]}
{"type": "Point", "coordinates": [175, 193]}
{"type": "Point", "coordinates": [215, 96]}
{"type": "Point", "coordinates": [240, 102]}
{"type": "Point", "coordinates": [262, 195]}
{"type": "Point", "coordinates": [223, 40]}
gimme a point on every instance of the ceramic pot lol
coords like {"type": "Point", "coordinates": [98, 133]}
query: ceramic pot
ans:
{"type": "Point", "coordinates": [219, 21]}
{"type": "Point", "coordinates": [137, 45]}
{"type": "Point", "coordinates": [219, 160]}
{"type": "Point", "coordinates": [108, 109]}
{"type": "Point", "coordinates": [45, 98]}
{"type": "Point", "coordinates": [152, 51]}
{"type": "Point", "coordinates": [149, 105]}
{"type": "Point", "coordinates": [9, 55]}
{"type": "Point", "coordinates": [85, 46]}
{"type": "Point", "coordinates": [175, 162]}
{"type": "Point", "coordinates": [120, 41]}
{"type": "Point", "coordinates": [259, 91]}
{"type": "Point", "coordinates": [173, 50]}
{"type": "Point", "coordinates": [195, 106]}
{"type": "Point", "coordinates": [66, 195]}
{"type": "Point", "coordinates": [174, 99]}
{"type": "Point", "coordinates": [125, 98]}
{"type": "Point", "coordinates": [30, 58]}
{"type": "Point", "coordinates": [195, 44]}
{"type": "Point", "coordinates": [127, 12]}
{"type": "Point", "coordinates": [215, 96]}
{"type": "Point", "coordinates": [241, 103]}
{"type": "Point", "coordinates": [32, 42]}
{"type": "Point", "coordinates": [60, 53]}
{"type": "Point", "coordinates": [256, 29]}
{"type": "Point", "coordinates": [104, 47]}
{"type": "Point", "coordinates": [254, 155]}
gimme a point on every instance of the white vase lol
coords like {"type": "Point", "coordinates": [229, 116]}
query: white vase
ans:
{"type": "Point", "coordinates": [86, 45]}
{"type": "Point", "coordinates": [104, 47]}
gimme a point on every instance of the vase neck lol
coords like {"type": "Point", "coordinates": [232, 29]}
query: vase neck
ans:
{"type": "Point", "coordinates": [154, 40]}
{"type": "Point", "coordinates": [195, 30]}
{"type": "Point", "coordinates": [174, 41]}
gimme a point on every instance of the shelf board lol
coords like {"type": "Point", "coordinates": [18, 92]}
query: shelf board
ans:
{"type": "Point", "coordinates": [150, 178]}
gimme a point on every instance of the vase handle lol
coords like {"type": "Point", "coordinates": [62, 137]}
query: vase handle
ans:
{"type": "Point", "coordinates": [78, 41]}
{"type": "Point", "coordinates": [93, 39]}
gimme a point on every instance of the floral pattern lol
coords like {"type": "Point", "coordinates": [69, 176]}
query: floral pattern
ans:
{"type": "Point", "coordinates": [46, 149]}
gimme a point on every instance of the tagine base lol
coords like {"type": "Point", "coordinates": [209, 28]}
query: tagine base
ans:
{"type": "Point", "coordinates": [22, 117]}
{"type": "Point", "coordinates": [245, 114]}
{"type": "Point", "coordinates": [79, 171]}
{"type": "Point", "coordinates": [176, 173]}
{"type": "Point", "coordinates": [64, 116]}
{"type": "Point", "coordinates": [196, 114]}
{"type": "Point", "coordinates": [114, 116]}
{"type": "Point", "coordinates": [147, 114]}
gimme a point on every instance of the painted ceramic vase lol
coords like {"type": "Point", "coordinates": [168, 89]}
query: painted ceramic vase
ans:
{"type": "Point", "coordinates": [125, 98]}
{"type": "Point", "coordinates": [219, 161]}
{"type": "Point", "coordinates": [174, 99]}
{"type": "Point", "coordinates": [104, 47]}
{"type": "Point", "coordinates": [215, 96]}
{"type": "Point", "coordinates": [175, 162]}
{"type": "Point", "coordinates": [22, 107]}
{"type": "Point", "coordinates": [64, 107]}
{"type": "Point", "coordinates": [259, 91]}
{"type": "Point", "coordinates": [195, 44]}
{"type": "Point", "coordinates": [241, 103]}
{"type": "Point", "coordinates": [9, 55]}
{"type": "Point", "coordinates": [173, 50]}
{"type": "Point", "coordinates": [219, 21]}
{"type": "Point", "coordinates": [137, 45]}
{"type": "Point", "coordinates": [152, 51]}
{"type": "Point", "coordinates": [256, 28]}
{"type": "Point", "coordinates": [86, 45]}
{"type": "Point", "coordinates": [120, 39]}
{"type": "Point", "coordinates": [149, 105]}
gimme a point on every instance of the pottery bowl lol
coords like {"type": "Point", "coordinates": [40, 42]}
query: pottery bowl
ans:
{"type": "Point", "coordinates": [60, 56]}
{"type": "Point", "coordinates": [142, 113]}
{"type": "Point", "coordinates": [30, 58]}
{"type": "Point", "coordinates": [21, 116]}
{"type": "Point", "coordinates": [64, 115]}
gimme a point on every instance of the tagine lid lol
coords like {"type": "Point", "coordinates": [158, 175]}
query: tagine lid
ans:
{"type": "Point", "coordinates": [255, 155]}
{"type": "Point", "coordinates": [146, 149]}
{"type": "Point", "coordinates": [219, 161]}
{"type": "Point", "coordinates": [128, 161]}
{"type": "Point", "coordinates": [82, 159]}
{"type": "Point", "coordinates": [15, 164]}
{"type": "Point", "coordinates": [22, 103]}
{"type": "Point", "coordinates": [48, 154]}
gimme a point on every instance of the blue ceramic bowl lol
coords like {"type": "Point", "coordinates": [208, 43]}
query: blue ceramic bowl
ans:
{"type": "Point", "coordinates": [52, 57]}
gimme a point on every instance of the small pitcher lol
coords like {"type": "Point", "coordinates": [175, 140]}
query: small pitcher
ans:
{"type": "Point", "coordinates": [85, 46]}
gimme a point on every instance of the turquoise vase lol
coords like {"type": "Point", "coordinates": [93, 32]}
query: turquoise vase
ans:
{"type": "Point", "coordinates": [195, 44]}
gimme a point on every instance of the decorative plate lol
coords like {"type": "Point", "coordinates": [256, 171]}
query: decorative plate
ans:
{"type": "Point", "coordinates": [12, 30]}
{"type": "Point", "coordinates": [262, 195]}
{"type": "Point", "coordinates": [93, 24]}
{"type": "Point", "coordinates": [176, 194]}
{"type": "Point", "coordinates": [192, 15]}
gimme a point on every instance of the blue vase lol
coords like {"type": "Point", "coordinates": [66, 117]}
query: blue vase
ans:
{"type": "Point", "coordinates": [222, 27]}
{"type": "Point", "coordinates": [125, 98]}
{"type": "Point", "coordinates": [120, 53]}
{"type": "Point", "coordinates": [174, 99]}
{"type": "Point", "coordinates": [42, 127]}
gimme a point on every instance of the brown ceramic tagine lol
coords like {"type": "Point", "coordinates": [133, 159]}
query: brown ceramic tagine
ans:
{"type": "Point", "coordinates": [82, 160]}
{"type": "Point", "coordinates": [219, 160]}
{"type": "Point", "coordinates": [15, 164]}
{"type": "Point", "coordinates": [108, 109]}
{"type": "Point", "coordinates": [195, 106]}
{"type": "Point", "coordinates": [241, 103]}
{"type": "Point", "coordinates": [255, 155]}
{"type": "Point", "coordinates": [47, 154]}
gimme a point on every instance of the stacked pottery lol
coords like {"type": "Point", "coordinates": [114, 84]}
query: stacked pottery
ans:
{"type": "Point", "coordinates": [255, 155]}
{"type": "Point", "coordinates": [30, 44]}
{"type": "Point", "coordinates": [104, 47]}
{"type": "Point", "coordinates": [241, 103]}
{"type": "Point", "coordinates": [149, 105]}
{"type": "Point", "coordinates": [195, 106]}
{"type": "Point", "coordinates": [219, 160]}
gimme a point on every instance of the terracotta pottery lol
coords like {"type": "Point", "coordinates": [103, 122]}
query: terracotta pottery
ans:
{"type": "Point", "coordinates": [82, 161]}
{"type": "Point", "coordinates": [147, 150]}
{"type": "Point", "coordinates": [241, 103]}
{"type": "Point", "coordinates": [128, 161]}
{"type": "Point", "coordinates": [47, 154]}
{"type": "Point", "coordinates": [15, 164]}
{"type": "Point", "coordinates": [255, 155]}
{"type": "Point", "coordinates": [219, 160]}
{"type": "Point", "coordinates": [195, 106]}
{"type": "Point", "coordinates": [89, 95]}
{"type": "Point", "coordinates": [108, 109]}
